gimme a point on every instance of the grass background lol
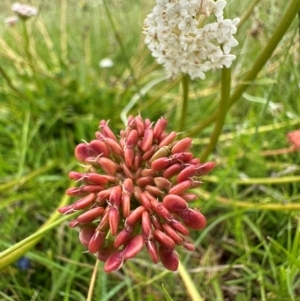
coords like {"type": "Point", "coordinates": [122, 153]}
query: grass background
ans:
{"type": "Point", "coordinates": [249, 250]}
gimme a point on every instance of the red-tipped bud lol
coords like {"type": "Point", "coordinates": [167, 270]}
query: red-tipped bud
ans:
{"type": "Point", "coordinates": [182, 145]}
{"type": "Point", "coordinates": [125, 202]}
{"type": "Point", "coordinates": [154, 190]}
{"type": "Point", "coordinates": [137, 161]}
{"type": "Point", "coordinates": [168, 258]}
{"type": "Point", "coordinates": [129, 156]}
{"type": "Point", "coordinates": [126, 170]}
{"type": "Point", "coordinates": [144, 199]}
{"type": "Point", "coordinates": [163, 239]}
{"type": "Point", "coordinates": [148, 172]}
{"type": "Point", "coordinates": [189, 197]}
{"type": "Point", "coordinates": [179, 227]}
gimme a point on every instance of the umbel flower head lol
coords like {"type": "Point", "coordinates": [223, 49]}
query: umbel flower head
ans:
{"type": "Point", "coordinates": [135, 191]}
{"type": "Point", "coordinates": [24, 11]}
{"type": "Point", "coordinates": [177, 40]}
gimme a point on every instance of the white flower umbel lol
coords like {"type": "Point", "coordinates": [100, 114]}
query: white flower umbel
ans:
{"type": "Point", "coordinates": [24, 11]}
{"type": "Point", "coordinates": [179, 40]}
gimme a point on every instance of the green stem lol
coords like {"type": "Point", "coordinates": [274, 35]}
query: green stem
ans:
{"type": "Point", "coordinates": [185, 80]}
{"type": "Point", "coordinates": [27, 43]}
{"type": "Point", "coordinates": [223, 107]}
{"type": "Point", "coordinates": [12, 254]}
{"type": "Point", "coordinates": [123, 50]}
{"type": "Point", "coordinates": [189, 283]}
{"type": "Point", "coordinates": [265, 55]}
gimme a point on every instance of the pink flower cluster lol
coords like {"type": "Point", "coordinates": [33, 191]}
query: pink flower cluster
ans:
{"type": "Point", "coordinates": [135, 191]}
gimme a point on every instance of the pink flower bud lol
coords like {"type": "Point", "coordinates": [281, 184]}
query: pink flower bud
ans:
{"type": "Point", "coordinates": [161, 210]}
{"type": "Point", "coordinates": [146, 225]}
{"type": "Point", "coordinates": [159, 127]}
{"type": "Point", "coordinates": [193, 219]}
{"type": "Point", "coordinates": [147, 140]}
{"type": "Point", "coordinates": [168, 139]}
{"type": "Point", "coordinates": [168, 258]}
{"type": "Point", "coordinates": [189, 197]}
{"type": "Point", "coordinates": [204, 169]}
{"type": "Point", "coordinates": [114, 218]}
{"type": "Point", "coordinates": [137, 161]}
{"type": "Point", "coordinates": [95, 178]}
{"type": "Point", "coordinates": [161, 163]}
{"type": "Point", "coordinates": [74, 191]}
{"type": "Point", "coordinates": [163, 239]}
{"type": "Point", "coordinates": [182, 145]}
{"type": "Point", "coordinates": [175, 203]}
{"type": "Point", "coordinates": [115, 196]}
{"type": "Point", "coordinates": [180, 188]}
{"type": "Point", "coordinates": [143, 181]}
{"type": "Point", "coordinates": [109, 166]}
{"type": "Point", "coordinates": [105, 252]}
{"type": "Point", "coordinates": [132, 139]}
{"type": "Point", "coordinates": [106, 131]}
{"type": "Point", "coordinates": [149, 153]}
{"type": "Point", "coordinates": [145, 201]}
{"type": "Point", "coordinates": [84, 202]}
{"type": "Point", "coordinates": [134, 246]}
{"type": "Point", "coordinates": [97, 148]}
{"type": "Point", "coordinates": [162, 183]}
{"type": "Point", "coordinates": [96, 241]}
{"type": "Point", "coordinates": [179, 227]}
{"type": "Point", "coordinates": [172, 234]}
{"type": "Point", "coordinates": [114, 261]}
{"type": "Point", "coordinates": [152, 250]}
{"type": "Point", "coordinates": [123, 236]}
{"type": "Point", "coordinates": [134, 216]}
{"type": "Point", "coordinates": [148, 172]}
{"type": "Point", "coordinates": [154, 190]}
{"type": "Point", "coordinates": [90, 215]}
{"type": "Point", "coordinates": [125, 202]}
{"type": "Point", "coordinates": [82, 151]}
{"type": "Point", "coordinates": [86, 233]}
{"type": "Point", "coordinates": [129, 156]}
{"type": "Point", "coordinates": [140, 125]}
{"type": "Point", "coordinates": [186, 173]}
{"type": "Point", "coordinates": [172, 170]}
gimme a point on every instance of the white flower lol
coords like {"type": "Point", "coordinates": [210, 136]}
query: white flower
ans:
{"type": "Point", "coordinates": [11, 21]}
{"type": "Point", "coordinates": [24, 11]}
{"type": "Point", "coordinates": [176, 40]}
{"type": "Point", "coordinates": [106, 63]}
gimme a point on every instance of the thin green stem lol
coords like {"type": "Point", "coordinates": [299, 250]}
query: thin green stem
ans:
{"type": "Point", "coordinates": [26, 43]}
{"type": "Point", "coordinates": [222, 111]}
{"type": "Point", "coordinates": [185, 80]}
{"type": "Point", "coordinates": [122, 47]}
{"type": "Point", "coordinates": [17, 250]}
{"type": "Point", "coordinates": [265, 55]}
{"type": "Point", "coordinates": [189, 283]}
{"type": "Point", "coordinates": [93, 280]}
